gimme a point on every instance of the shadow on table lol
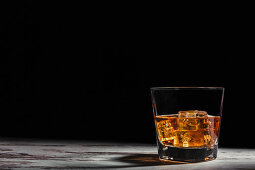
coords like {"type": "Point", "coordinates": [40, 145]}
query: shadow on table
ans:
{"type": "Point", "coordinates": [146, 160]}
{"type": "Point", "coordinates": [136, 160]}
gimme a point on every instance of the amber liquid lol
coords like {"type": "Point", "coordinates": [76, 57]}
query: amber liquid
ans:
{"type": "Point", "coordinates": [184, 132]}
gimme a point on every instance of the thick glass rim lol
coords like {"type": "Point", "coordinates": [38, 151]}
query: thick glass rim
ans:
{"type": "Point", "coordinates": [187, 88]}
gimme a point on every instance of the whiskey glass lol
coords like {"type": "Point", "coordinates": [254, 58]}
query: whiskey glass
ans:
{"type": "Point", "coordinates": [187, 122]}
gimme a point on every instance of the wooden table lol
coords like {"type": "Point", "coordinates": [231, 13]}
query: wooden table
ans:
{"type": "Point", "coordinates": [31, 154]}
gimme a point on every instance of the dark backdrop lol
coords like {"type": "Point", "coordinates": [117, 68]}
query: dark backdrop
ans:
{"type": "Point", "coordinates": [61, 78]}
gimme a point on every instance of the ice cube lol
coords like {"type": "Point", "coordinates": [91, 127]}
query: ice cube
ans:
{"type": "Point", "coordinates": [188, 113]}
{"type": "Point", "coordinates": [192, 113]}
{"type": "Point", "coordinates": [184, 138]}
{"type": "Point", "coordinates": [202, 114]}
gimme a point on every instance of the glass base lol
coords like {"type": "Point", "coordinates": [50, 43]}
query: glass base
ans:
{"type": "Point", "coordinates": [168, 153]}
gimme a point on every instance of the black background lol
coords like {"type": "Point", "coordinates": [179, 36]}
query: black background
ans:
{"type": "Point", "coordinates": [72, 74]}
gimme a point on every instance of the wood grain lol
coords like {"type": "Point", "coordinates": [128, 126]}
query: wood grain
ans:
{"type": "Point", "coordinates": [30, 154]}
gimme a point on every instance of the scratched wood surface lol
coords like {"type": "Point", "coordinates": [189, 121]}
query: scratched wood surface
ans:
{"type": "Point", "coordinates": [31, 154]}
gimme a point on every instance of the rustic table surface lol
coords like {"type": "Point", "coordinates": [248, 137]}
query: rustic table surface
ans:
{"type": "Point", "coordinates": [30, 154]}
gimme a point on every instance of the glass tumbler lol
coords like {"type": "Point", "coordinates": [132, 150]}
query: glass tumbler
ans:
{"type": "Point", "coordinates": [187, 122]}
